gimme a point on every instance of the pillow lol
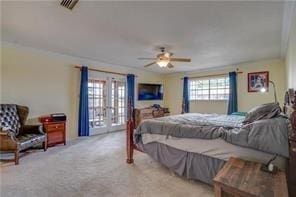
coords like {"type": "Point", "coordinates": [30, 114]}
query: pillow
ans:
{"type": "Point", "coordinates": [264, 111]}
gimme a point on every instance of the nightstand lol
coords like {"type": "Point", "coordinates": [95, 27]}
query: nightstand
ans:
{"type": "Point", "coordinates": [56, 132]}
{"type": "Point", "coordinates": [245, 179]}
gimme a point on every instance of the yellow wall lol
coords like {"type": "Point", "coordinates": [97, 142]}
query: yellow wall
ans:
{"type": "Point", "coordinates": [291, 55]}
{"type": "Point", "coordinates": [276, 68]}
{"type": "Point", "coordinates": [48, 82]}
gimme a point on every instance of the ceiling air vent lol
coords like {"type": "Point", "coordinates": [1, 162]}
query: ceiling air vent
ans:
{"type": "Point", "coordinates": [69, 3]}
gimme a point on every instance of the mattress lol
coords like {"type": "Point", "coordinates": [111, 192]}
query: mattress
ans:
{"type": "Point", "coordinates": [268, 135]}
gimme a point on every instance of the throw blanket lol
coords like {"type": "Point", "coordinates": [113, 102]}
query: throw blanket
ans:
{"type": "Point", "coordinates": [269, 135]}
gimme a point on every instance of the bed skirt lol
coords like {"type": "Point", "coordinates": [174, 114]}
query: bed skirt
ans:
{"type": "Point", "coordinates": [191, 165]}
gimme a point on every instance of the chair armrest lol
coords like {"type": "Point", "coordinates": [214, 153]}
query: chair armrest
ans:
{"type": "Point", "coordinates": [8, 134]}
{"type": "Point", "coordinates": [8, 141]}
{"type": "Point", "coordinates": [3, 133]}
{"type": "Point", "coordinates": [38, 129]}
{"type": "Point", "coordinates": [7, 131]}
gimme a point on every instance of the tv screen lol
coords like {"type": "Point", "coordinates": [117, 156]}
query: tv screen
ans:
{"type": "Point", "coordinates": [150, 91]}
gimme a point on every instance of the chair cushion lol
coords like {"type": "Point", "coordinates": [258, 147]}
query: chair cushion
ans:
{"type": "Point", "coordinates": [9, 118]}
{"type": "Point", "coordinates": [28, 140]}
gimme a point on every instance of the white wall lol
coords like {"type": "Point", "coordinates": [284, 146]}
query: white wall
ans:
{"type": "Point", "coordinates": [246, 100]}
{"type": "Point", "coordinates": [48, 83]}
{"type": "Point", "coordinates": [291, 53]}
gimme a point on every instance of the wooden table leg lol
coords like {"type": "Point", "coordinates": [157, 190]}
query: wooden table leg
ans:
{"type": "Point", "coordinates": [16, 157]}
{"type": "Point", "coordinates": [217, 190]}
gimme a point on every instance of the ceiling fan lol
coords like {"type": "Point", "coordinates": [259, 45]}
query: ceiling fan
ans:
{"type": "Point", "coordinates": [164, 59]}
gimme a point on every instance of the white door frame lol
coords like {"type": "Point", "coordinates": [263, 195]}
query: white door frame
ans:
{"type": "Point", "coordinates": [103, 128]}
{"type": "Point", "coordinates": [116, 127]}
{"type": "Point", "coordinates": [108, 127]}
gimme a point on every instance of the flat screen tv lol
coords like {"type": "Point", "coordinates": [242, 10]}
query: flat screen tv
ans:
{"type": "Point", "coordinates": [147, 91]}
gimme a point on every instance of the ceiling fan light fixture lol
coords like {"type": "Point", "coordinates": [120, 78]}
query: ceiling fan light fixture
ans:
{"type": "Point", "coordinates": [164, 59]}
{"type": "Point", "coordinates": [163, 63]}
{"type": "Point", "coordinates": [167, 55]}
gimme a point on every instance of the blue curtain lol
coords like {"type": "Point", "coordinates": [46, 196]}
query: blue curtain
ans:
{"type": "Point", "coordinates": [83, 124]}
{"type": "Point", "coordinates": [232, 101]}
{"type": "Point", "coordinates": [130, 93]}
{"type": "Point", "coordinates": [185, 103]}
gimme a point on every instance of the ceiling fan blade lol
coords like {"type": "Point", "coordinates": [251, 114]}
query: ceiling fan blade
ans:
{"type": "Point", "coordinates": [149, 64]}
{"type": "Point", "coordinates": [180, 59]}
{"type": "Point", "coordinates": [144, 58]}
{"type": "Point", "coordinates": [170, 65]}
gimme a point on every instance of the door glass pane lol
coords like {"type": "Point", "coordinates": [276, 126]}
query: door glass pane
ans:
{"type": "Point", "coordinates": [97, 103]}
{"type": "Point", "coordinates": [118, 102]}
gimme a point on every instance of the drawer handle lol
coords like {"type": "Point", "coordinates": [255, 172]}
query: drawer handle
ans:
{"type": "Point", "coordinates": [294, 149]}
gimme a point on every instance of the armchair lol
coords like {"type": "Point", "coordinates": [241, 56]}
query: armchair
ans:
{"type": "Point", "coordinates": [15, 136]}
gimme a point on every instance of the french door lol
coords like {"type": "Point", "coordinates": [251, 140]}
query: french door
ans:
{"type": "Point", "coordinates": [107, 104]}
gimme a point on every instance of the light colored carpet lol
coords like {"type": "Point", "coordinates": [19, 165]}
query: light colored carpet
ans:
{"type": "Point", "coordinates": [93, 166]}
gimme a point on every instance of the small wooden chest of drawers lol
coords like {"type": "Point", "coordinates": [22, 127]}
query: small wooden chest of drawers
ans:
{"type": "Point", "coordinates": [56, 132]}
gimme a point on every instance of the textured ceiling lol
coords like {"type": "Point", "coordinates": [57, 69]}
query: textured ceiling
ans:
{"type": "Point", "coordinates": [213, 34]}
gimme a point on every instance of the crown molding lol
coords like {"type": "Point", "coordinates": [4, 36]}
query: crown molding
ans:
{"type": "Point", "coordinates": [70, 58]}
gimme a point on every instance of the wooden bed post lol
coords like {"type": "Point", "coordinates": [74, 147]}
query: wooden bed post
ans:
{"type": "Point", "coordinates": [290, 110]}
{"type": "Point", "coordinates": [130, 135]}
{"type": "Point", "coordinates": [293, 117]}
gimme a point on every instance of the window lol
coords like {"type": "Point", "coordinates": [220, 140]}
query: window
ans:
{"type": "Point", "coordinates": [118, 102]}
{"type": "Point", "coordinates": [96, 102]}
{"type": "Point", "coordinates": [209, 89]}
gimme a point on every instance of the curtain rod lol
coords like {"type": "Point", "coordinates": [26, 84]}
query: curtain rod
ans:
{"type": "Point", "coordinates": [103, 71]}
{"type": "Point", "coordinates": [215, 75]}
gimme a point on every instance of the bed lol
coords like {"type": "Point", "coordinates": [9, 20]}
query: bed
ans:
{"type": "Point", "coordinates": [198, 145]}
